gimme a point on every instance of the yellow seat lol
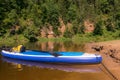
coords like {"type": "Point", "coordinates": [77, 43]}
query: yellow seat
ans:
{"type": "Point", "coordinates": [17, 49]}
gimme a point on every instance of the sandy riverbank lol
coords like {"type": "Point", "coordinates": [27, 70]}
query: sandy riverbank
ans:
{"type": "Point", "coordinates": [110, 51]}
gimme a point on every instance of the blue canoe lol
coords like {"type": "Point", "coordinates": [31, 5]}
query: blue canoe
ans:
{"type": "Point", "coordinates": [64, 57]}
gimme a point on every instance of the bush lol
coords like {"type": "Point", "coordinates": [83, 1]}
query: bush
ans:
{"type": "Point", "coordinates": [98, 28]}
{"type": "Point", "coordinates": [68, 34]}
{"type": "Point", "coordinates": [31, 34]}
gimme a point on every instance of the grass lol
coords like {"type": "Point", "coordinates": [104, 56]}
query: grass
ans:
{"type": "Point", "coordinates": [60, 39]}
{"type": "Point", "coordinates": [13, 40]}
{"type": "Point", "coordinates": [79, 38]}
{"type": "Point", "coordinates": [20, 39]}
{"type": "Point", "coordinates": [88, 37]}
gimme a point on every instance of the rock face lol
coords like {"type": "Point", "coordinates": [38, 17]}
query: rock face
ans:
{"type": "Point", "coordinates": [47, 32]}
{"type": "Point", "coordinates": [43, 32]}
{"type": "Point", "coordinates": [62, 27]}
{"type": "Point", "coordinates": [50, 33]}
{"type": "Point", "coordinates": [89, 26]}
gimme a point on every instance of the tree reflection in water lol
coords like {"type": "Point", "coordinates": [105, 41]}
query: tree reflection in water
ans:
{"type": "Point", "coordinates": [56, 46]}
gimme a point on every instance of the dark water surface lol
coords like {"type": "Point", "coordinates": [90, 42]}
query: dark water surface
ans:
{"type": "Point", "coordinates": [11, 69]}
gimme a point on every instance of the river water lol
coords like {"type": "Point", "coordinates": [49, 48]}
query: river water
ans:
{"type": "Point", "coordinates": [11, 69]}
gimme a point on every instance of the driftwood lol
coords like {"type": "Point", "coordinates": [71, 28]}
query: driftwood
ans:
{"type": "Point", "coordinates": [97, 48]}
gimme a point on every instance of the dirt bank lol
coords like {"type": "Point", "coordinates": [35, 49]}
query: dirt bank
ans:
{"type": "Point", "coordinates": [110, 51]}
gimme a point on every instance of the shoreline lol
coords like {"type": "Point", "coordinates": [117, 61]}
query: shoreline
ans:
{"type": "Point", "coordinates": [110, 52]}
{"type": "Point", "coordinates": [76, 39]}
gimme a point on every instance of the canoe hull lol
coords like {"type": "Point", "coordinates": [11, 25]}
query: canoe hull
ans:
{"type": "Point", "coordinates": [85, 58]}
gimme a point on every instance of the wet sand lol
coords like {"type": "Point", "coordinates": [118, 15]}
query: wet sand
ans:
{"type": "Point", "coordinates": [110, 51]}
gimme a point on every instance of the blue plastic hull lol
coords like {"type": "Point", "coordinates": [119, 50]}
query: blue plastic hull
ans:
{"type": "Point", "coordinates": [66, 57]}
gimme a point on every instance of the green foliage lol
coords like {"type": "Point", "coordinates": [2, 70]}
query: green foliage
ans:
{"type": "Point", "coordinates": [71, 14]}
{"type": "Point", "coordinates": [31, 33]}
{"type": "Point", "coordinates": [50, 13]}
{"type": "Point", "coordinates": [2, 31]}
{"type": "Point", "coordinates": [110, 26]}
{"type": "Point", "coordinates": [32, 15]}
{"type": "Point", "coordinates": [11, 18]}
{"type": "Point", "coordinates": [106, 6]}
{"type": "Point", "coordinates": [68, 34]}
{"type": "Point", "coordinates": [117, 19]}
{"type": "Point", "coordinates": [98, 28]}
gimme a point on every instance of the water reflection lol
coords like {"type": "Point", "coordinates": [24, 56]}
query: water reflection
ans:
{"type": "Point", "coordinates": [56, 46]}
{"type": "Point", "coordinates": [11, 69]}
{"type": "Point", "coordinates": [18, 67]}
{"type": "Point", "coordinates": [64, 67]}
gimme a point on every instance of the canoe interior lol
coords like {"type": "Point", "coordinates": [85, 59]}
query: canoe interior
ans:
{"type": "Point", "coordinates": [35, 52]}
